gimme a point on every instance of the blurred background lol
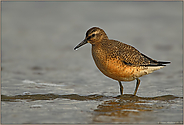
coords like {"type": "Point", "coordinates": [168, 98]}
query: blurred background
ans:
{"type": "Point", "coordinates": [38, 57]}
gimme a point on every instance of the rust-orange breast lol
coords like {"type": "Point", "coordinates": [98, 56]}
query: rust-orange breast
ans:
{"type": "Point", "coordinates": [113, 67]}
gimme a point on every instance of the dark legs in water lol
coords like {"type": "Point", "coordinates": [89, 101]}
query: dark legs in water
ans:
{"type": "Point", "coordinates": [136, 88]}
{"type": "Point", "coordinates": [121, 88]}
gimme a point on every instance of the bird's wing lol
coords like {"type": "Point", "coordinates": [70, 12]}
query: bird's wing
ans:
{"type": "Point", "coordinates": [131, 56]}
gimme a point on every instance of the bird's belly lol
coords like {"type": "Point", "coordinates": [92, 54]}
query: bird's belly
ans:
{"type": "Point", "coordinates": [116, 70]}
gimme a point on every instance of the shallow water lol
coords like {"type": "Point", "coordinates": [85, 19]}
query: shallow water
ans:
{"type": "Point", "coordinates": [45, 81]}
{"type": "Point", "coordinates": [120, 109]}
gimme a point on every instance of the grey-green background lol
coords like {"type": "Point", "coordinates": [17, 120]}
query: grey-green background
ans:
{"type": "Point", "coordinates": [38, 57]}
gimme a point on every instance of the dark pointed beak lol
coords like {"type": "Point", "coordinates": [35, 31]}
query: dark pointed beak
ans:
{"type": "Point", "coordinates": [81, 44]}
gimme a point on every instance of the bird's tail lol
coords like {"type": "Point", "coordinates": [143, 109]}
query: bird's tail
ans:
{"type": "Point", "coordinates": [161, 63]}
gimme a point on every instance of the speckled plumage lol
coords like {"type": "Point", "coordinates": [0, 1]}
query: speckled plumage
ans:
{"type": "Point", "coordinates": [118, 60]}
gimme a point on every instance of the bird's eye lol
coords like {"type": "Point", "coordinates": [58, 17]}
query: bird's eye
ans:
{"type": "Point", "coordinates": [90, 36]}
{"type": "Point", "coordinates": [93, 35]}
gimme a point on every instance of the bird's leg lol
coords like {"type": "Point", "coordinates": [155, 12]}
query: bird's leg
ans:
{"type": "Point", "coordinates": [121, 87]}
{"type": "Point", "coordinates": [137, 86]}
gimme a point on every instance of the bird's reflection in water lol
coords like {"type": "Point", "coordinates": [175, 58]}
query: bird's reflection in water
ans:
{"type": "Point", "coordinates": [131, 109]}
